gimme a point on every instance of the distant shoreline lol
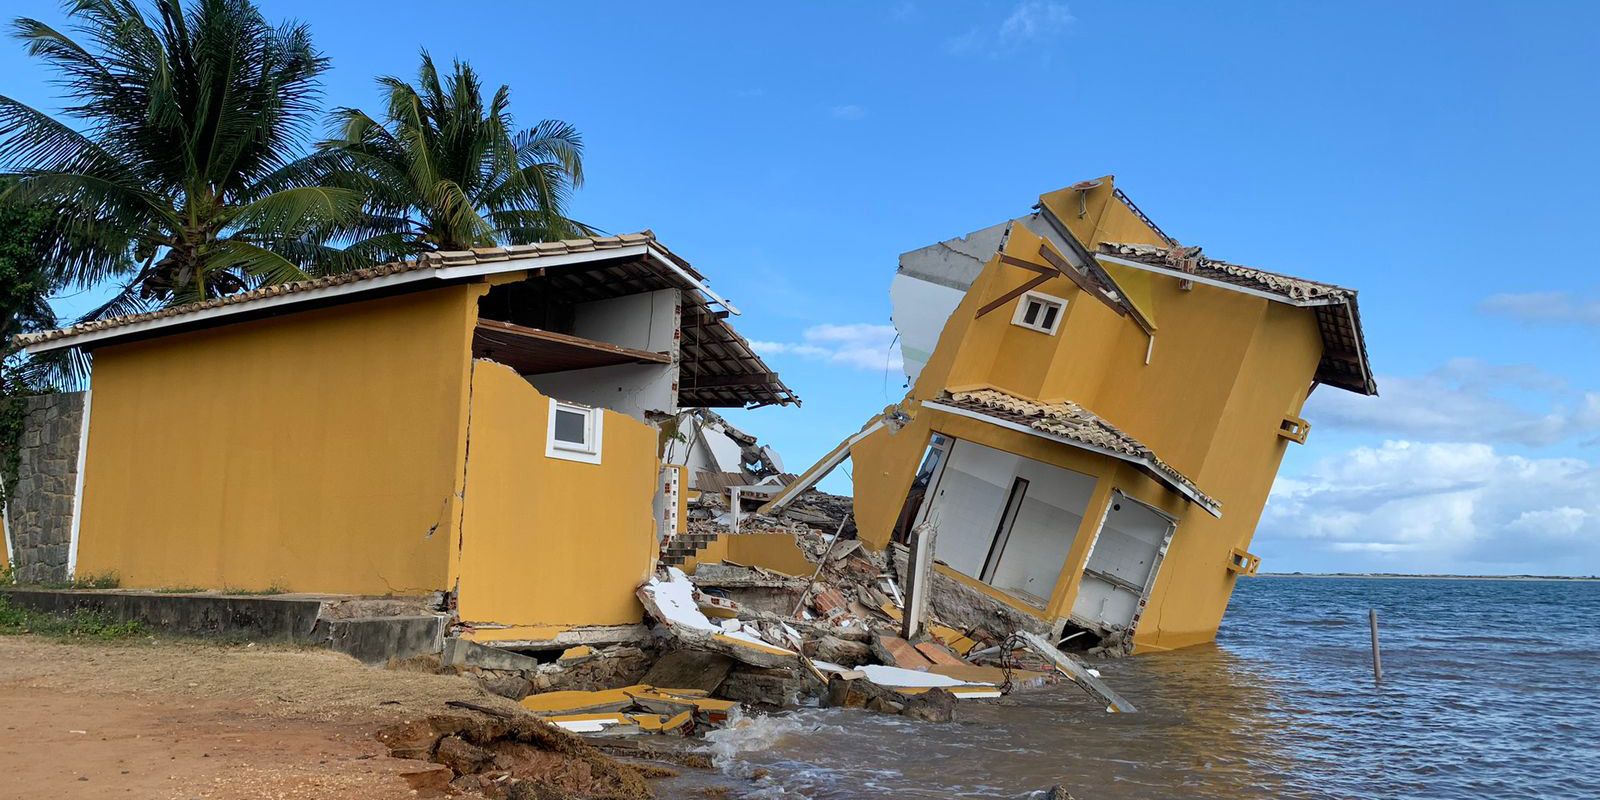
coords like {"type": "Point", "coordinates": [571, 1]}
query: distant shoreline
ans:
{"type": "Point", "coordinates": [1395, 576]}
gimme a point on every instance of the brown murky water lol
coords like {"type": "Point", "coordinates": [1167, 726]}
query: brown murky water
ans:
{"type": "Point", "coordinates": [1477, 702]}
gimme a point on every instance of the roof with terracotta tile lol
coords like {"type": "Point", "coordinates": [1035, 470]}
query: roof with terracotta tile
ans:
{"type": "Point", "coordinates": [719, 366]}
{"type": "Point", "coordinates": [423, 262]}
{"type": "Point", "coordinates": [1078, 425]}
{"type": "Point", "coordinates": [1344, 361]}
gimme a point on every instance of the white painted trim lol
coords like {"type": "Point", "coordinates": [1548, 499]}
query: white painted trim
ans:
{"type": "Point", "coordinates": [5, 525]}
{"type": "Point", "coordinates": [1186, 276]}
{"type": "Point", "coordinates": [698, 285]}
{"type": "Point", "coordinates": [1016, 426]}
{"type": "Point", "coordinates": [595, 438]}
{"type": "Point", "coordinates": [77, 489]}
{"type": "Point", "coordinates": [1045, 301]}
{"type": "Point", "coordinates": [445, 273]}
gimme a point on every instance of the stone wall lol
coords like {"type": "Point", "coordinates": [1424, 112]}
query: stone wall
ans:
{"type": "Point", "coordinates": [39, 506]}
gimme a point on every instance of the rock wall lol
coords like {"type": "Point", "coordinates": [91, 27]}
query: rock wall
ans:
{"type": "Point", "coordinates": [39, 505]}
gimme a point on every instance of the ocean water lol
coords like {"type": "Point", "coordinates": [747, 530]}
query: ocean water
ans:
{"type": "Point", "coordinates": [1491, 690]}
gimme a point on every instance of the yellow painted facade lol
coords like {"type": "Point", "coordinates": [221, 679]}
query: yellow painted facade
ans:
{"type": "Point", "coordinates": [546, 541]}
{"type": "Point", "coordinates": [360, 449]}
{"type": "Point", "coordinates": [1223, 370]}
{"type": "Point", "coordinates": [779, 552]}
{"type": "Point", "coordinates": [318, 451]}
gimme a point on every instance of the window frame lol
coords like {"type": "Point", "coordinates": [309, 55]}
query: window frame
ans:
{"type": "Point", "coordinates": [1045, 301]}
{"type": "Point", "coordinates": [588, 451]}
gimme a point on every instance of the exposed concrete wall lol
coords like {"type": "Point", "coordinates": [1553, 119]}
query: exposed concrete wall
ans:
{"type": "Point", "coordinates": [40, 507]}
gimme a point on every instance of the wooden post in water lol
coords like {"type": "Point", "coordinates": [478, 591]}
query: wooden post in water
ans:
{"type": "Point", "coordinates": [1377, 658]}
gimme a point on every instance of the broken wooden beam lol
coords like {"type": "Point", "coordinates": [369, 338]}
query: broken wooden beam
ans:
{"type": "Point", "coordinates": [1078, 673]}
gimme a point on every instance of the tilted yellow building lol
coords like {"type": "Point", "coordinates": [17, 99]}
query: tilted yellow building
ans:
{"type": "Point", "coordinates": [1097, 415]}
{"type": "Point", "coordinates": [482, 423]}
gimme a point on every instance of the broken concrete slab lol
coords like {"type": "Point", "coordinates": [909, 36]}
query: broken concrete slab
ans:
{"type": "Point", "coordinates": [838, 651]}
{"type": "Point", "coordinates": [615, 666]}
{"type": "Point", "coordinates": [689, 669]}
{"type": "Point", "coordinates": [672, 602]}
{"type": "Point", "coordinates": [464, 653]}
{"type": "Point", "coordinates": [600, 635]}
{"type": "Point", "coordinates": [765, 688]}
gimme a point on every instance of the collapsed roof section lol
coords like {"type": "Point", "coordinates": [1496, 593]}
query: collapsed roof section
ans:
{"type": "Point", "coordinates": [718, 368]}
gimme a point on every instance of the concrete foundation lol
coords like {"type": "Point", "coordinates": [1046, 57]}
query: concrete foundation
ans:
{"type": "Point", "coordinates": [400, 629]}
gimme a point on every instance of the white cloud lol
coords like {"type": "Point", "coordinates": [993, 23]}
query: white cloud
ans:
{"type": "Point", "coordinates": [850, 112]}
{"type": "Point", "coordinates": [1442, 507]}
{"type": "Point", "coordinates": [1467, 399]}
{"type": "Point", "coordinates": [1035, 19]}
{"type": "Point", "coordinates": [859, 345]}
{"type": "Point", "coordinates": [1029, 21]}
{"type": "Point", "coordinates": [1544, 307]}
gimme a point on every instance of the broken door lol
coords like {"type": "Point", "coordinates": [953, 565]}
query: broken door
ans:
{"type": "Point", "coordinates": [1006, 520]}
{"type": "Point", "coordinates": [1122, 564]}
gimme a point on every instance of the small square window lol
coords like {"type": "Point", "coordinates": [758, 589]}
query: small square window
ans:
{"type": "Point", "coordinates": [1039, 312]}
{"type": "Point", "coordinates": [574, 432]}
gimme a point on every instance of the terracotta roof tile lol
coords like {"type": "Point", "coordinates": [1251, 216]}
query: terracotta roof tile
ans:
{"type": "Point", "coordinates": [1076, 423]}
{"type": "Point", "coordinates": [1237, 274]}
{"type": "Point", "coordinates": [450, 258]}
{"type": "Point", "coordinates": [1344, 360]}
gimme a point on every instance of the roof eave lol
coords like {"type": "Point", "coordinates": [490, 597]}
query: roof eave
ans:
{"type": "Point", "coordinates": [1200, 499]}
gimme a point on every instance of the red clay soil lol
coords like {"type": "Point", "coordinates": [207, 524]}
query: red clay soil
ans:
{"type": "Point", "coordinates": [154, 719]}
{"type": "Point", "coordinates": [68, 745]}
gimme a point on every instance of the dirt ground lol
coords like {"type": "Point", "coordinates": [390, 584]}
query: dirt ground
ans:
{"type": "Point", "coordinates": [159, 719]}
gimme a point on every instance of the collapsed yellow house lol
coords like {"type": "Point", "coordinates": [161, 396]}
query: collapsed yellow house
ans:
{"type": "Point", "coordinates": [486, 424]}
{"type": "Point", "coordinates": [1097, 416]}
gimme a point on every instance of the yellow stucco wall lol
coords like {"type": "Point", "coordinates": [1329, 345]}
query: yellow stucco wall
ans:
{"type": "Point", "coordinates": [777, 551]}
{"type": "Point", "coordinates": [547, 542]}
{"type": "Point", "coordinates": [1225, 367]}
{"type": "Point", "coordinates": [318, 451]}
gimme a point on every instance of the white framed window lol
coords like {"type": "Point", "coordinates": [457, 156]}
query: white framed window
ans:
{"type": "Point", "coordinates": [575, 432]}
{"type": "Point", "coordinates": [1039, 312]}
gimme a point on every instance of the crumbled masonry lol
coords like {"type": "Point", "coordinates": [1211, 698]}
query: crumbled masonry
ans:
{"type": "Point", "coordinates": [732, 639]}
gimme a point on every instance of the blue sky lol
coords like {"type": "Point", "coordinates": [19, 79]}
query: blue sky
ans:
{"type": "Point", "coordinates": [1437, 156]}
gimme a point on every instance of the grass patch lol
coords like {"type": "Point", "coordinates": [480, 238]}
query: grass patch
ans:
{"type": "Point", "coordinates": [105, 580]}
{"type": "Point", "coordinates": [273, 589]}
{"type": "Point", "coordinates": [80, 624]}
{"type": "Point", "coordinates": [179, 590]}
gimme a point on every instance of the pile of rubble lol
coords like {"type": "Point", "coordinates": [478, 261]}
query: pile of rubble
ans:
{"type": "Point", "coordinates": [734, 638]}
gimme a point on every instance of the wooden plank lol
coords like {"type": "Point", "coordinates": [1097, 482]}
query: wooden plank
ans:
{"type": "Point", "coordinates": [1014, 294]}
{"type": "Point", "coordinates": [1079, 675]}
{"type": "Point", "coordinates": [727, 381]}
{"type": "Point", "coordinates": [1017, 262]}
{"type": "Point", "coordinates": [1078, 278]}
{"type": "Point", "coordinates": [642, 356]}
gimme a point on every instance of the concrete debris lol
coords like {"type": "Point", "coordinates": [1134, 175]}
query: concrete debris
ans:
{"type": "Point", "coordinates": [736, 637]}
{"type": "Point", "coordinates": [690, 669]}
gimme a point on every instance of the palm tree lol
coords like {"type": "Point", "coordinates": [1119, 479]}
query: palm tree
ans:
{"type": "Point", "coordinates": [446, 171]}
{"type": "Point", "coordinates": [177, 184]}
